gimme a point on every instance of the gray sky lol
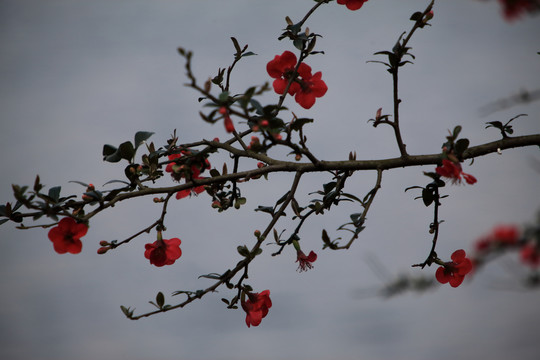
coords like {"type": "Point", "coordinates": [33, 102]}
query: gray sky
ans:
{"type": "Point", "coordinates": [75, 75]}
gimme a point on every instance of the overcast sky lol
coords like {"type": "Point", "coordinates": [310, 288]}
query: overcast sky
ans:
{"type": "Point", "coordinates": [77, 74]}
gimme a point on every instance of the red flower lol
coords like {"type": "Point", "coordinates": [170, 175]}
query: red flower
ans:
{"type": "Point", "coordinates": [66, 237]}
{"type": "Point", "coordinates": [305, 262]}
{"type": "Point", "coordinates": [502, 235]}
{"type": "Point", "coordinates": [352, 4]}
{"type": "Point", "coordinates": [453, 171]}
{"type": "Point", "coordinates": [310, 88]}
{"type": "Point", "coordinates": [229, 126]}
{"type": "Point", "coordinates": [281, 68]}
{"type": "Point", "coordinates": [306, 87]}
{"type": "Point", "coordinates": [530, 255]}
{"type": "Point", "coordinates": [194, 190]}
{"type": "Point", "coordinates": [513, 9]}
{"type": "Point", "coordinates": [183, 170]}
{"type": "Point", "coordinates": [454, 271]}
{"type": "Point", "coordinates": [163, 252]}
{"type": "Point", "coordinates": [256, 307]}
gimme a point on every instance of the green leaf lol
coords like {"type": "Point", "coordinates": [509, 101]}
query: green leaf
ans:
{"type": "Point", "coordinates": [456, 132]}
{"type": "Point", "coordinates": [427, 196]}
{"type": "Point", "coordinates": [243, 251]}
{"type": "Point", "coordinates": [224, 96]}
{"type": "Point", "coordinates": [416, 16]}
{"type": "Point", "coordinates": [54, 193]}
{"type": "Point", "coordinates": [110, 154]}
{"type": "Point", "coordinates": [329, 187]}
{"type": "Point", "coordinates": [299, 123]}
{"type": "Point", "coordinates": [126, 150]}
{"type": "Point", "coordinates": [141, 136]}
{"type": "Point", "coordinates": [160, 299]}
{"type": "Point", "coordinates": [236, 45]}
{"type": "Point", "coordinates": [461, 146]}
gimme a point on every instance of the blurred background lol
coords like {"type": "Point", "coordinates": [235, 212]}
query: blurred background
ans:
{"type": "Point", "coordinates": [76, 75]}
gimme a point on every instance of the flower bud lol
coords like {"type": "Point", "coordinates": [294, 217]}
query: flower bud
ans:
{"type": "Point", "coordinates": [257, 233]}
{"type": "Point", "coordinates": [104, 243]}
{"type": "Point", "coordinates": [102, 250]}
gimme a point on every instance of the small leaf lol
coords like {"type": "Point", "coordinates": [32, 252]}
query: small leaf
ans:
{"type": "Point", "coordinates": [126, 150]}
{"type": "Point", "coordinates": [236, 45]}
{"type": "Point", "coordinates": [427, 196]}
{"type": "Point", "coordinates": [416, 16]}
{"type": "Point", "coordinates": [461, 145]}
{"type": "Point", "coordinates": [54, 193]}
{"type": "Point", "coordinates": [456, 132]}
{"type": "Point", "coordinates": [141, 136]}
{"type": "Point", "coordinates": [243, 251]}
{"type": "Point", "coordinates": [160, 299]}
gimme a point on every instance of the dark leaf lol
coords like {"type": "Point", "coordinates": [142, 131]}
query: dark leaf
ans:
{"type": "Point", "coordinates": [141, 136]}
{"type": "Point", "coordinates": [54, 193]}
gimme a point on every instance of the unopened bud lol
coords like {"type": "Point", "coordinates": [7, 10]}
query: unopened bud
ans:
{"type": "Point", "coordinates": [260, 165]}
{"type": "Point", "coordinates": [264, 122]}
{"type": "Point", "coordinates": [104, 243]}
{"type": "Point", "coordinates": [298, 157]}
{"type": "Point", "coordinates": [102, 250]}
{"type": "Point", "coordinates": [257, 233]}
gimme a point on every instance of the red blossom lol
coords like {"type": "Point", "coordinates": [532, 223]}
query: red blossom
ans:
{"type": "Point", "coordinates": [163, 252]}
{"type": "Point", "coordinates": [256, 307]}
{"type": "Point", "coordinates": [281, 68]}
{"type": "Point", "coordinates": [305, 262]}
{"type": "Point", "coordinates": [530, 255]}
{"type": "Point", "coordinates": [453, 171]}
{"type": "Point", "coordinates": [187, 192]}
{"type": "Point", "coordinates": [310, 89]}
{"type": "Point", "coordinates": [306, 87]}
{"type": "Point", "coordinates": [352, 4]}
{"type": "Point", "coordinates": [501, 235]}
{"type": "Point", "coordinates": [229, 126]}
{"type": "Point", "coordinates": [66, 237]}
{"type": "Point", "coordinates": [454, 272]}
{"type": "Point", "coordinates": [513, 9]}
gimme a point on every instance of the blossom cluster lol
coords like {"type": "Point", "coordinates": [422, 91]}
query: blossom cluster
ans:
{"type": "Point", "coordinates": [503, 237]}
{"type": "Point", "coordinates": [190, 170]}
{"type": "Point", "coordinates": [300, 82]}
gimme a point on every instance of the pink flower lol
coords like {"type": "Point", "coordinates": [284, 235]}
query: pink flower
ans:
{"type": "Point", "coordinates": [256, 307]}
{"type": "Point", "coordinates": [352, 4]}
{"type": "Point", "coordinates": [305, 262]}
{"type": "Point", "coordinates": [163, 252]}
{"type": "Point", "coordinates": [454, 272]}
{"type": "Point", "coordinates": [453, 171]}
{"type": "Point", "coordinates": [66, 237]}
